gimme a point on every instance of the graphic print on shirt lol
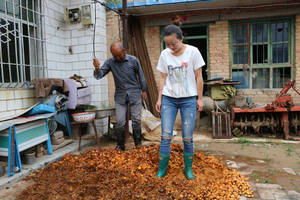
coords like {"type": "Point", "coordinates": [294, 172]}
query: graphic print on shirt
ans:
{"type": "Point", "coordinates": [178, 78]}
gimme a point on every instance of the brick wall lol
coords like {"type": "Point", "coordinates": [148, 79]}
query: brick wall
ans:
{"type": "Point", "coordinates": [112, 34]}
{"type": "Point", "coordinates": [153, 43]}
{"type": "Point", "coordinates": [219, 49]}
{"type": "Point", "coordinates": [297, 58]}
{"type": "Point", "coordinates": [219, 57]}
{"type": "Point", "coordinates": [259, 96]}
{"type": "Point", "coordinates": [152, 38]}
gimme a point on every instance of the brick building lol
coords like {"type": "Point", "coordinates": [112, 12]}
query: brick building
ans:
{"type": "Point", "coordinates": [254, 42]}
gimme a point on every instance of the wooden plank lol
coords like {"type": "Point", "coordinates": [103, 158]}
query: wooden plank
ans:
{"type": "Point", "coordinates": [139, 49]}
{"type": "Point", "coordinates": [12, 151]}
{"type": "Point", "coordinates": [65, 143]}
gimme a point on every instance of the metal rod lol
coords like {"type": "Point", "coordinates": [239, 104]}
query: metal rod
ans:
{"type": "Point", "coordinates": [226, 124]}
{"type": "Point", "coordinates": [96, 135]}
{"type": "Point", "coordinates": [125, 24]}
{"type": "Point", "coordinates": [35, 42]}
{"type": "Point", "coordinates": [7, 45]}
{"type": "Point", "coordinates": [219, 124]}
{"type": "Point", "coordinates": [21, 40]}
{"type": "Point", "coordinates": [1, 63]}
{"type": "Point", "coordinates": [213, 123]}
{"type": "Point", "coordinates": [229, 127]}
{"type": "Point", "coordinates": [94, 33]}
{"type": "Point", "coordinates": [106, 6]}
{"type": "Point", "coordinates": [30, 53]}
{"type": "Point", "coordinates": [80, 129]}
{"type": "Point", "coordinates": [12, 150]}
{"type": "Point", "coordinates": [42, 34]}
{"type": "Point", "coordinates": [125, 46]}
{"type": "Point", "coordinates": [16, 40]}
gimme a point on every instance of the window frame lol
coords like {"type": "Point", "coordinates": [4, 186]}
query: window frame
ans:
{"type": "Point", "coordinates": [35, 37]}
{"type": "Point", "coordinates": [269, 65]}
{"type": "Point", "coordinates": [206, 36]}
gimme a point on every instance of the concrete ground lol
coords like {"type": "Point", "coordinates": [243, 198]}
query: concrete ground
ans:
{"type": "Point", "coordinates": [272, 165]}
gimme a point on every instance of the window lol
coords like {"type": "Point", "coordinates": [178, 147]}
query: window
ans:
{"type": "Point", "coordinates": [261, 53]}
{"type": "Point", "coordinates": [21, 46]}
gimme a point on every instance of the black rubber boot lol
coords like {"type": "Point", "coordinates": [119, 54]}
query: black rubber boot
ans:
{"type": "Point", "coordinates": [137, 136]}
{"type": "Point", "coordinates": [120, 133]}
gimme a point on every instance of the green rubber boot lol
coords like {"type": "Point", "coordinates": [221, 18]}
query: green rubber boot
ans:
{"type": "Point", "coordinates": [188, 162]}
{"type": "Point", "coordinates": [163, 165]}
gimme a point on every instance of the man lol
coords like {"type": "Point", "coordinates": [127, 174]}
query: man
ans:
{"type": "Point", "coordinates": [130, 86]}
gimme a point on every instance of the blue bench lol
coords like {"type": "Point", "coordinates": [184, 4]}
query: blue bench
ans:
{"type": "Point", "coordinates": [19, 134]}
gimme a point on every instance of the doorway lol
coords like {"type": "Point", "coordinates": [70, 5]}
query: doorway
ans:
{"type": "Point", "coordinates": [197, 36]}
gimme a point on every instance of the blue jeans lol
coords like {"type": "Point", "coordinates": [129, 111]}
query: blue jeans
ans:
{"type": "Point", "coordinates": [169, 109]}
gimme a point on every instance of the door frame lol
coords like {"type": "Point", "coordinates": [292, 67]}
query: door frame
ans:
{"type": "Point", "coordinates": [162, 45]}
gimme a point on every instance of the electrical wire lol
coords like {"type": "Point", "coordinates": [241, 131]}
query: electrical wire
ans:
{"type": "Point", "coordinates": [119, 27]}
{"type": "Point", "coordinates": [95, 23]}
{"type": "Point", "coordinates": [106, 6]}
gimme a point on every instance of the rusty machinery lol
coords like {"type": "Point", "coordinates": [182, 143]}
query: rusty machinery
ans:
{"type": "Point", "coordinates": [279, 115]}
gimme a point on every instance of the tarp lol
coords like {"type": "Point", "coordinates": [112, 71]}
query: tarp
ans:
{"type": "Point", "coordinates": [40, 109]}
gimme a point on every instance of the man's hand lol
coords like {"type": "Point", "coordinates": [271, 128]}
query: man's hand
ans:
{"type": "Point", "coordinates": [199, 105]}
{"type": "Point", "coordinates": [96, 63]}
{"type": "Point", "coordinates": [144, 95]}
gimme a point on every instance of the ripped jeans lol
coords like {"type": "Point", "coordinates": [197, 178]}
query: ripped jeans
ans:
{"type": "Point", "coordinates": [169, 109]}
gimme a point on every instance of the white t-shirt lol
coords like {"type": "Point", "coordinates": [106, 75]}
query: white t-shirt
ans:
{"type": "Point", "coordinates": [181, 80]}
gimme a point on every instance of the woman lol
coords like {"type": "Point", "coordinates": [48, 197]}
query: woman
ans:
{"type": "Point", "coordinates": [179, 86]}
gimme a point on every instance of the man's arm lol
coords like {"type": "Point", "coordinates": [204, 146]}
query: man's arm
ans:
{"type": "Point", "coordinates": [141, 76]}
{"type": "Point", "coordinates": [199, 80]}
{"type": "Point", "coordinates": [100, 72]}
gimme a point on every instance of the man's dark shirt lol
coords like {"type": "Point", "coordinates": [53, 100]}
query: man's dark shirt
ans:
{"type": "Point", "coordinates": [128, 76]}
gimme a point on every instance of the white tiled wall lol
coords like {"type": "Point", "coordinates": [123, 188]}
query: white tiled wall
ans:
{"type": "Point", "coordinates": [62, 37]}
{"type": "Point", "coordinates": [61, 63]}
{"type": "Point", "coordinates": [15, 101]}
{"type": "Point", "coordinates": [70, 48]}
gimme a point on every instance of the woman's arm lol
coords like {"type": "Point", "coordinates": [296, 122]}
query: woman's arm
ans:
{"type": "Point", "coordinates": [162, 81]}
{"type": "Point", "coordinates": [199, 80]}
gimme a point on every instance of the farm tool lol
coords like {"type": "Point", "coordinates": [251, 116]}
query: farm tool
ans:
{"type": "Point", "coordinates": [278, 116]}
